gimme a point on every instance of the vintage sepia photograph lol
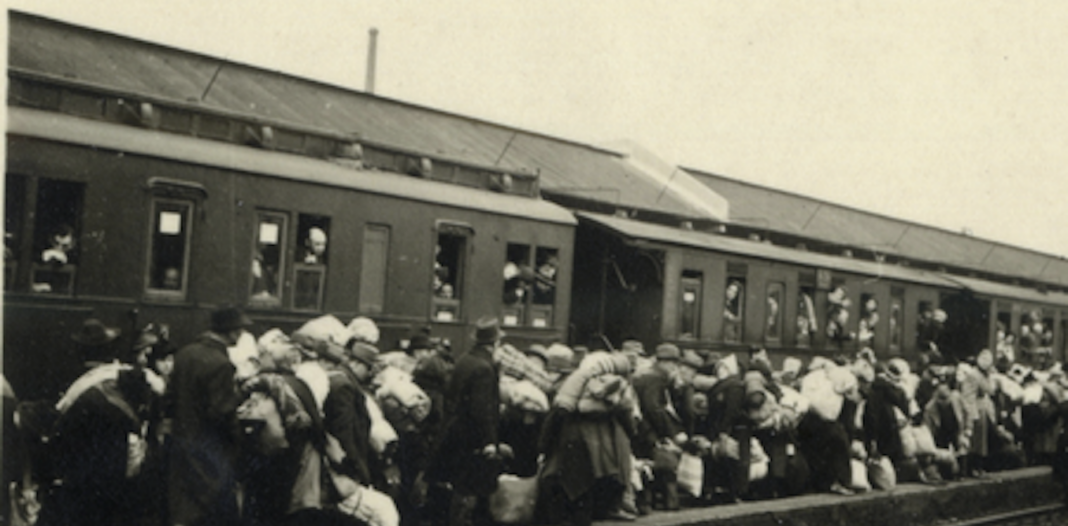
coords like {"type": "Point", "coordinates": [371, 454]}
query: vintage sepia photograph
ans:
{"type": "Point", "coordinates": [545, 263]}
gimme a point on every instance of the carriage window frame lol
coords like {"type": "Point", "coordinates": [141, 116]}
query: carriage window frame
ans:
{"type": "Point", "coordinates": [738, 323]}
{"type": "Point", "coordinates": [691, 287]}
{"type": "Point", "coordinates": [187, 233]}
{"type": "Point", "coordinates": [517, 283]}
{"type": "Point", "coordinates": [305, 272]}
{"type": "Point", "coordinates": [65, 196]}
{"type": "Point", "coordinates": [281, 241]}
{"type": "Point", "coordinates": [895, 320]}
{"type": "Point", "coordinates": [773, 326]}
{"type": "Point", "coordinates": [450, 309]}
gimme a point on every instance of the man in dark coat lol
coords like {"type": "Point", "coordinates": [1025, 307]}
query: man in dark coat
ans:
{"type": "Point", "coordinates": [345, 408]}
{"type": "Point", "coordinates": [99, 450]}
{"type": "Point", "coordinates": [660, 424]}
{"type": "Point", "coordinates": [204, 452]}
{"type": "Point", "coordinates": [468, 454]}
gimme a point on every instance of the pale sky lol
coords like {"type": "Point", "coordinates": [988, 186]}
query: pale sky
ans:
{"type": "Point", "coordinates": [949, 113]}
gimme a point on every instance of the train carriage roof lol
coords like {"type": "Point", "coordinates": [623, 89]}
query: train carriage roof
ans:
{"type": "Point", "coordinates": [786, 212]}
{"type": "Point", "coordinates": [637, 230]}
{"type": "Point", "coordinates": [97, 134]}
{"type": "Point", "coordinates": [41, 47]}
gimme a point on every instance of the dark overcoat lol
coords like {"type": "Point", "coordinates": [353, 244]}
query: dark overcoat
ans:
{"type": "Point", "coordinates": [204, 452]}
{"type": "Point", "coordinates": [472, 409]}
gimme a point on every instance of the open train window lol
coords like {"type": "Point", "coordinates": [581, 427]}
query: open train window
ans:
{"type": "Point", "coordinates": [375, 269]}
{"type": "Point", "coordinates": [690, 286]}
{"type": "Point", "coordinates": [869, 320]}
{"type": "Point", "coordinates": [547, 264]}
{"type": "Point", "coordinates": [168, 251]}
{"type": "Point", "coordinates": [776, 295]}
{"type": "Point", "coordinates": [839, 306]}
{"type": "Point", "coordinates": [518, 277]}
{"type": "Point", "coordinates": [268, 261]}
{"type": "Point", "coordinates": [895, 323]}
{"type": "Point", "coordinates": [929, 327]}
{"type": "Point", "coordinates": [450, 259]}
{"type": "Point", "coordinates": [56, 230]}
{"type": "Point", "coordinates": [807, 323]}
{"type": "Point", "coordinates": [1004, 338]}
{"type": "Point", "coordinates": [733, 309]}
{"type": "Point", "coordinates": [312, 257]}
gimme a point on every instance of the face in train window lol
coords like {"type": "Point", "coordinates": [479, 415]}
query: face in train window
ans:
{"type": "Point", "coordinates": [547, 265]}
{"type": "Point", "coordinates": [929, 327]}
{"type": "Point", "coordinates": [518, 275]}
{"type": "Point", "coordinates": [56, 235]}
{"type": "Point", "coordinates": [169, 247]}
{"type": "Point", "coordinates": [895, 324]}
{"type": "Point", "coordinates": [448, 272]}
{"type": "Point", "coordinates": [807, 324]}
{"type": "Point", "coordinates": [869, 320]}
{"type": "Point", "coordinates": [733, 309]}
{"type": "Point", "coordinates": [773, 312]}
{"type": "Point", "coordinates": [313, 239]}
{"type": "Point", "coordinates": [838, 314]}
{"type": "Point", "coordinates": [267, 261]}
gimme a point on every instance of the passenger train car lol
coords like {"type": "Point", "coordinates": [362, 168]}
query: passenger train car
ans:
{"type": "Point", "coordinates": [147, 184]}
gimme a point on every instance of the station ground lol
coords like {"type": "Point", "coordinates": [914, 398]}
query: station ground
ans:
{"type": "Point", "coordinates": [1003, 498]}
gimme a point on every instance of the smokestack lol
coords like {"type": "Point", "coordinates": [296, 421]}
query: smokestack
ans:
{"type": "Point", "coordinates": [372, 50]}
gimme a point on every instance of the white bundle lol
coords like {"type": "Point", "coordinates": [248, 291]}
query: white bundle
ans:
{"type": "Point", "coordinates": [523, 394]}
{"type": "Point", "coordinates": [382, 433]}
{"type": "Point", "coordinates": [326, 328]}
{"type": "Point", "coordinates": [371, 506]}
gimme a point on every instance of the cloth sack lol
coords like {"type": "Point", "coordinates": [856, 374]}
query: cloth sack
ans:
{"type": "Point", "coordinates": [382, 432]}
{"type": "Point", "coordinates": [859, 475]}
{"type": "Point", "coordinates": [881, 474]}
{"type": "Point", "coordinates": [908, 442]}
{"type": "Point", "coordinates": [759, 461]}
{"type": "Point", "coordinates": [691, 474]}
{"type": "Point", "coordinates": [925, 443]}
{"type": "Point", "coordinates": [322, 329]}
{"type": "Point", "coordinates": [515, 500]}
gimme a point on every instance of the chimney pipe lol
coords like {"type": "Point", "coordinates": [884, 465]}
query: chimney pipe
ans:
{"type": "Point", "coordinates": [372, 50]}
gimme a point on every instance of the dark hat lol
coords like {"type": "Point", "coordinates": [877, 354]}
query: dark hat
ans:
{"type": "Point", "coordinates": [419, 341]}
{"type": "Point", "coordinates": [488, 330]}
{"type": "Point", "coordinates": [229, 319]}
{"type": "Point", "coordinates": [94, 333]}
{"type": "Point", "coordinates": [668, 352]}
{"type": "Point", "coordinates": [145, 340]}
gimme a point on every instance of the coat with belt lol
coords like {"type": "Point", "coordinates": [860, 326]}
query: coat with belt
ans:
{"type": "Point", "coordinates": [205, 433]}
{"type": "Point", "coordinates": [472, 408]}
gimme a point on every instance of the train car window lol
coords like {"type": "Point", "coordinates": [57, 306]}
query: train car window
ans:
{"type": "Point", "coordinates": [929, 327]}
{"type": "Point", "coordinates": [895, 325]}
{"type": "Point", "coordinates": [168, 251]}
{"type": "Point", "coordinates": [1064, 335]}
{"type": "Point", "coordinates": [807, 323]}
{"type": "Point", "coordinates": [268, 263]}
{"type": "Point", "coordinates": [548, 263]}
{"type": "Point", "coordinates": [776, 294]}
{"type": "Point", "coordinates": [1031, 330]}
{"type": "Point", "coordinates": [690, 305]}
{"type": "Point", "coordinates": [518, 277]}
{"type": "Point", "coordinates": [838, 312]}
{"type": "Point", "coordinates": [56, 233]}
{"type": "Point", "coordinates": [1047, 330]}
{"type": "Point", "coordinates": [14, 211]}
{"type": "Point", "coordinates": [449, 261]}
{"type": "Point", "coordinates": [1004, 338]}
{"type": "Point", "coordinates": [312, 256]}
{"type": "Point", "coordinates": [869, 320]}
{"type": "Point", "coordinates": [375, 269]}
{"type": "Point", "coordinates": [733, 309]}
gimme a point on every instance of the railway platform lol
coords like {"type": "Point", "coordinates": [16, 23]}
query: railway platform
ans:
{"type": "Point", "coordinates": [999, 497]}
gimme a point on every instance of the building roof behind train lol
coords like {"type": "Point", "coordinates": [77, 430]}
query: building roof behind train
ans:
{"type": "Point", "coordinates": [53, 50]}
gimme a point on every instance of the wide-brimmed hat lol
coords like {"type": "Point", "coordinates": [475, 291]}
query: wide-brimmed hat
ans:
{"type": "Point", "coordinates": [229, 319]}
{"type": "Point", "coordinates": [488, 330]}
{"type": "Point", "coordinates": [364, 352]}
{"type": "Point", "coordinates": [94, 332]}
{"type": "Point", "coordinates": [418, 342]}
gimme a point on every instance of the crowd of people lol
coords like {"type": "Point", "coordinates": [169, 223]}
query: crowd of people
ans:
{"type": "Point", "coordinates": [321, 426]}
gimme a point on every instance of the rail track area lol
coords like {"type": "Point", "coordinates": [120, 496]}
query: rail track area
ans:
{"type": "Point", "coordinates": [1022, 497]}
